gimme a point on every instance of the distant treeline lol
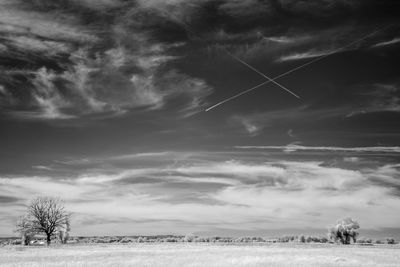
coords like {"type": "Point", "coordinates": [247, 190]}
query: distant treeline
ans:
{"type": "Point", "coordinates": [198, 239]}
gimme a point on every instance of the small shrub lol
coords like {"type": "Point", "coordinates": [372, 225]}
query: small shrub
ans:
{"type": "Point", "coordinates": [16, 242]}
{"type": "Point", "coordinates": [126, 240]}
{"type": "Point", "coordinates": [141, 239]}
{"type": "Point", "coordinates": [323, 240]}
{"type": "Point", "coordinates": [390, 241]}
{"type": "Point", "coordinates": [189, 238]}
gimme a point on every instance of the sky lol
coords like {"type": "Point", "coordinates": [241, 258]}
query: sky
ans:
{"type": "Point", "coordinates": [103, 103]}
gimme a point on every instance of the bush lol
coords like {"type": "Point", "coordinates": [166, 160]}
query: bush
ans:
{"type": "Point", "coordinates": [126, 240]}
{"type": "Point", "coordinates": [189, 238]}
{"type": "Point", "coordinates": [323, 240]}
{"type": "Point", "coordinates": [390, 241]}
{"type": "Point", "coordinates": [141, 239]}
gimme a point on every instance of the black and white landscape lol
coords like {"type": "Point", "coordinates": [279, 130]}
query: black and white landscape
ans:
{"type": "Point", "coordinates": [206, 117]}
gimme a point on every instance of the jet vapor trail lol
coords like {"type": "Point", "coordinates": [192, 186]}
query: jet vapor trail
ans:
{"type": "Point", "coordinates": [295, 69]}
{"type": "Point", "coordinates": [262, 74]}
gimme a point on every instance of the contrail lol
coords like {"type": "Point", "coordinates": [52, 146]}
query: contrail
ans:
{"type": "Point", "coordinates": [295, 69]}
{"type": "Point", "coordinates": [262, 74]}
{"type": "Point", "coordinates": [251, 67]}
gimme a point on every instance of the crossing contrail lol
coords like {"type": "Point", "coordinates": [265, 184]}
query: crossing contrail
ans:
{"type": "Point", "coordinates": [262, 74]}
{"type": "Point", "coordinates": [294, 69]}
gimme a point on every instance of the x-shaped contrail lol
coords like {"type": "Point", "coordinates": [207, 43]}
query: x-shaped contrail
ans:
{"type": "Point", "coordinates": [262, 74]}
{"type": "Point", "coordinates": [290, 71]}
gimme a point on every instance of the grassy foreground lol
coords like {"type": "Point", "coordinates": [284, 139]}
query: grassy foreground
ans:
{"type": "Point", "coordinates": [195, 254]}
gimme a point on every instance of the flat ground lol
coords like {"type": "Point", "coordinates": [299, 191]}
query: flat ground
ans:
{"type": "Point", "coordinates": [198, 254]}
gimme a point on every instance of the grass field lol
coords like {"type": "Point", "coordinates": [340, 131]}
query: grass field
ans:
{"type": "Point", "coordinates": [195, 254]}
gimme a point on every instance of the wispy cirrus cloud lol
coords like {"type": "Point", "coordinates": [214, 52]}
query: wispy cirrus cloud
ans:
{"type": "Point", "coordinates": [106, 65]}
{"type": "Point", "coordinates": [15, 19]}
{"type": "Point", "coordinates": [305, 55]}
{"type": "Point", "coordinates": [380, 98]}
{"type": "Point", "coordinates": [128, 58]}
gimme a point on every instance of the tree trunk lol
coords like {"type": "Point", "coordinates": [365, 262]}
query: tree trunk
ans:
{"type": "Point", "coordinates": [48, 239]}
{"type": "Point", "coordinates": [347, 239]}
{"type": "Point", "coordinates": [23, 239]}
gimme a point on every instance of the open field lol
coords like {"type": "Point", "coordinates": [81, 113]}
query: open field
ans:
{"type": "Point", "coordinates": [197, 254]}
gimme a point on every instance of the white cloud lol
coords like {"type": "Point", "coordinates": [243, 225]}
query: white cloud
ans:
{"type": "Point", "coordinates": [47, 99]}
{"type": "Point", "coordinates": [250, 126]}
{"type": "Point", "coordinates": [203, 195]}
{"type": "Point", "coordinates": [41, 167]}
{"type": "Point", "coordinates": [312, 187]}
{"type": "Point", "coordinates": [50, 48]}
{"type": "Point", "coordinates": [305, 55]}
{"type": "Point", "coordinates": [289, 39]}
{"type": "Point", "coordinates": [292, 148]}
{"type": "Point", "coordinates": [47, 25]}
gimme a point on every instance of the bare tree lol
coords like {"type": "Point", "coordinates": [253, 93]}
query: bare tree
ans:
{"type": "Point", "coordinates": [63, 232]}
{"type": "Point", "coordinates": [24, 228]}
{"type": "Point", "coordinates": [46, 215]}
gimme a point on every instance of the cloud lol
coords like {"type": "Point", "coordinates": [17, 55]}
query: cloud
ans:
{"type": "Point", "coordinates": [379, 98]}
{"type": "Point", "coordinates": [112, 57]}
{"type": "Point", "coordinates": [36, 45]}
{"type": "Point", "coordinates": [204, 191]}
{"type": "Point", "coordinates": [238, 8]}
{"type": "Point", "coordinates": [291, 133]}
{"type": "Point", "coordinates": [16, 20]}
{"type": "Point", "coordinates": [44, 168]}
{"type": "Point", "coordinates": [251, 127]}
{"type": "Point", "coordinates": [288, 39]}
{"type": "Point", "coordinates": [305, 55]}
{"type": "Point", "coordinates": [388, 176]}
{"type": "Point", "coordinates": [6, 97]}
{"type": "Point", "coordinates": [107, 66]}
{"type": "Point", "coordinates": [47, 100]}
{"type": "Point", "coordinates": [294, 148]}
{"type": "Point", "coordinates": [290, 116]}
{"type": "Point", "coordinates": [385, 97]}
